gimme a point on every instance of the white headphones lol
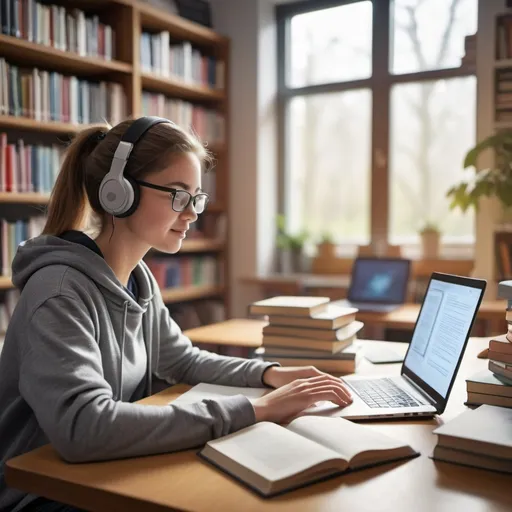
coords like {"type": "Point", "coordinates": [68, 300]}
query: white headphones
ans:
{"type": "Point", "coordinates": [118, 193]}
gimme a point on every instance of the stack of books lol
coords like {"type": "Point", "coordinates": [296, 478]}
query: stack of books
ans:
{"type": "Point", "coordinates": [479, 438]}
{"type": "Point", "coordinates": [494, 386]}
{"type": "Point", "coordinates": [305, 331]}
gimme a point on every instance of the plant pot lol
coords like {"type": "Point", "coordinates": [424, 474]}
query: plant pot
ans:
{"type": "Point", "coordinates": [297, 260]}
{"type": "Point", "coordinates": [326, 250]}
{"type": "Point", "coordinates": [430, 241]}
{"type": "Point", "coordinates": [285, 261]}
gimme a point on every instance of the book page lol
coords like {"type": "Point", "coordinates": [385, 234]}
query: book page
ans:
{"type": "Point", "coordinates": [358, 444]}
{"type": "Point", "coordinates": [271, 451]}
{"type": "Point", "coordinates": [204, 391]}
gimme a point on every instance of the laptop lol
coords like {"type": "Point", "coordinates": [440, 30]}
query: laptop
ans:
{"type": "Point", "coordinates": [433, 358]}
{"type": "Point", "coordinates": [378, 284]}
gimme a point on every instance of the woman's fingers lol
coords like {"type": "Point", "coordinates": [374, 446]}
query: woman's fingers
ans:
{"type": "Point", "coordinates": [331, 393]}
{"type": "Point", "coordinates": [311, 385]}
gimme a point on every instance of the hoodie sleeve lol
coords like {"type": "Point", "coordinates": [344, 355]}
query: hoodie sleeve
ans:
{"type": "Point", "coordinates": [180, 361]}
{"type": "Point", "coordinates": [61, 379]}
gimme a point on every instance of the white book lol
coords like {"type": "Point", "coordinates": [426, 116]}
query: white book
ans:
{"type": "Point", "coordinates": [486, 431]}
{"type": "Point", "coordinates": [272, 459]}
{"type": "Point", "coordinates": [36, 82]}
{"type": "Point", "coordinates": [164, 53]}
{"type": "Point", "coordinates": [108, 42]}
{"type": "Point", "coordinates": [3, 161]}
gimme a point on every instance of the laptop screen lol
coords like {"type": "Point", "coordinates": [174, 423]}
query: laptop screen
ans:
{"type": "Point", "coordinates": [379, 280]}
{"type": "Point", "coordinates": [441, 332]}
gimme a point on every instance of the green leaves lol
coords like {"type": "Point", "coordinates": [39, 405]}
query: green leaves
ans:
{"type": "Point", "coordinates": [286, 240]}
{"type": "Point", "coordinates": [486, 182]}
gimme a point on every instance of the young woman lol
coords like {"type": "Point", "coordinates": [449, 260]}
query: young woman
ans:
{"type": "Point", "coordinates": [91, 332]}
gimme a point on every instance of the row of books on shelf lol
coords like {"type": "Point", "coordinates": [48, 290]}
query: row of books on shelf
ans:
{"type": "Point", "coordinates": [207, 123]}
{"type": "Point", "coordinates": [12, 234]}
{"type": "Point", "coordinates": [69, 30]}
{"type": "Point", "coordinates": [184, 271]}
{"type": "Point", "coordinates": [504, 38]}
{"type": "Point", "coordinates": [503, 95]}
{"type": "Point", "coordinates": [309, 331]}
{"type": "Point", "coordinates": [159, 56]}
{"type": "Point", "coordinates": [28, 168]}
{"type": "Point", "coordinates": [51, 96]}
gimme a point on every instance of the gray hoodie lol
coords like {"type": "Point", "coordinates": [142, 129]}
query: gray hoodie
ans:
{"type": "Point", "coordinates": [79, 350]}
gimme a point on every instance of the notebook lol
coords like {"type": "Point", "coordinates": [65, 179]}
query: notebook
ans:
{"type": "Point", "coordinates": [272, 459]}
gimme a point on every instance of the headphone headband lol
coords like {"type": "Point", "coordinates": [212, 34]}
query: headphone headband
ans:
{"type": "Point", "coordinates": [118, 194]}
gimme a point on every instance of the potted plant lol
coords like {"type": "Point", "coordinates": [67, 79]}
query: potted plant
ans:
{"type": "Point", "coordinates": [492, 182]}
{"type": "Point", "coordinates": [291, 247]}
{"type": "Point", "coordinates": [430, 240]}
{"type": "Point", "coordinates": [326, 248]}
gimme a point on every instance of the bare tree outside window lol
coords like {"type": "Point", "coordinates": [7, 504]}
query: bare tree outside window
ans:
{"type": "Point", "coordinates": [329, 134]}
{"type": "Point", "coordinates": [329, 131]}
{"type": "Point", "coordinates": [432, 122]}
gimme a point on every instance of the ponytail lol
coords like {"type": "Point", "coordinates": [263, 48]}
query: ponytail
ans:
{"type": "Point", "coordinates": [69, 206]}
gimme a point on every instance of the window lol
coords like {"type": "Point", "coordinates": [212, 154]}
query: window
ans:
{"type": "Point", "coordinates": [377, 109]}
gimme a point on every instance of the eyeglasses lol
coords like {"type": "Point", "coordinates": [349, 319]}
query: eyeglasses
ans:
{"type": "Point", "coordinates": [181, 198]}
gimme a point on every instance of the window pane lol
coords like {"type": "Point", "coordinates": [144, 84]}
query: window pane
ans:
{"type": "Point", "coordinates": [331, 45]}
{"type": "Point", "coordinates": [429, 34]}
{"type": "Point", "coordinates": [328, 184]}
{"type": "Point", "coordinates": [432, 127]}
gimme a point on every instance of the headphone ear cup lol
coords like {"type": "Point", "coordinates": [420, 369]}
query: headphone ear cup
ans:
{"type": "Point", "coordinates": [130, 182]}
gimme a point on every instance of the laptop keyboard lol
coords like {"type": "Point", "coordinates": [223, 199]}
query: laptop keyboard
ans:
{"type": "Point", "coordinates": [383, 393]}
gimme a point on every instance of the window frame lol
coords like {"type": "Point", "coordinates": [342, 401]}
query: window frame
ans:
{"type": "Point", "coordinates": [379, 83]}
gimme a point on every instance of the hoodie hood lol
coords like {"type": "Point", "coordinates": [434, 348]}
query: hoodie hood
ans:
{"type": "Point", "coordinates": [47, 250]}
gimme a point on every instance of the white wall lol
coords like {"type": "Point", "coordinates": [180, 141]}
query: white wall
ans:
{"type": "Point", "coordinates": [253, 161]}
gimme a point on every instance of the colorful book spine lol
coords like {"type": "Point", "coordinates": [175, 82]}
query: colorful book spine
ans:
{"type": "Point", "coordinates": [68, 30]}
{"type": "Point", "coordinates": [181, 61]}
{"type": "Point", "coordinates": [50, 96]}
{"type": "Point", "coordinates": [208, 124]}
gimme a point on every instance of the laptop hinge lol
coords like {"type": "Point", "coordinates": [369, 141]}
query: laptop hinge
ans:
{"type": "Point", "coordinates": [426, 396]}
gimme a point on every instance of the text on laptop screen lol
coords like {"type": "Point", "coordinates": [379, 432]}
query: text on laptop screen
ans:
{"type": "Point", "coordinates": [440, 332]}
{"type": "Point", "coordinates": [377, 280]}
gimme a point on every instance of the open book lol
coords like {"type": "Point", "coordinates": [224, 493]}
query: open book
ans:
{"type": "Point", "coordinates": [272, 459]}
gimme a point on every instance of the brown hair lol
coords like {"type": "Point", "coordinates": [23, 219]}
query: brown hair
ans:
{"type": "Point", "coordinates": [88, 160]}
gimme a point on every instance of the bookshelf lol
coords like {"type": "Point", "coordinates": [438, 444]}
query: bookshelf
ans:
{"type": "Point", "coordinates": [187, 293]}
{"type": "Point", "coordinates": [494, 57]}
{"type": "Point", "coordinates": [128, 20]}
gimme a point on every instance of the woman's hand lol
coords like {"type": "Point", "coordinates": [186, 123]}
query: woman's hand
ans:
{"type": "Point", "coordinates": [277, 376]}
{"type": "Point", "coordinates": [291, 399]}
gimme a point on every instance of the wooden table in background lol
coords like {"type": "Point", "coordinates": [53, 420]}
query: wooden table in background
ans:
{"type": "Point", "coordinates": [490, 319]}
{"type": "Point", "coordinates": [246, 332]}
{"type": "Point", "coordinates": [182, 481]}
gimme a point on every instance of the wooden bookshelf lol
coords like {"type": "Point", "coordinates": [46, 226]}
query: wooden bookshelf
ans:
{"type": "Point", "coordinates": [24, 197]}
{"type": "Point", "coordinates": [216, 208]}
{"type": "Point", "coordinates": [48, 57]}
{"type": "Point", "coordinates": [5, 283]}
{"type": "Point", "coordinates": [173, 295]}
{"type": "Point", "coordinates": [155, 19]}
{"type": "Point", "coordinates": [179, 89]}
{"type": "Point", "coordinates": [27, 124]}
{"type": "Point", "coordinates": [128, 19]}
{"type": "Point", "coordinates": [503, 63]}
{"type": "Point", "coordinates": [202, 245]}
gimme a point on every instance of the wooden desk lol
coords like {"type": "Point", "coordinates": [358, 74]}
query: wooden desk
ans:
{"type": "Point", "coordinates": [181, 481]}
{"type": "Point", "coordinates": [237, 332]}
